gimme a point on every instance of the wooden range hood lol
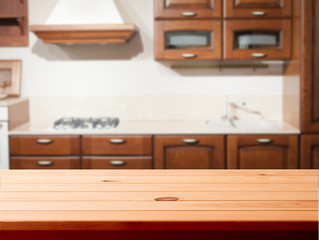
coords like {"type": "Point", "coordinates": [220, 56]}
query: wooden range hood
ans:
{"type": "Point", "coordinates": [84, 33]}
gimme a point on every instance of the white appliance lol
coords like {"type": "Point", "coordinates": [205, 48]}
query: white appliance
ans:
{"type": "Point", "coordinates": [4, 138]}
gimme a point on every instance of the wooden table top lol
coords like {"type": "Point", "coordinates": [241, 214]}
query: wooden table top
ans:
{"type": "Point", "coordinates": [158, 199]}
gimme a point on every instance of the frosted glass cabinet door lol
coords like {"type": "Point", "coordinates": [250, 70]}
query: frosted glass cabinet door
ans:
{"type": "Point", "coordinates": [4, 146]}
{"type": "Point", "coordinates": [258, 39]}
{"type": "Point", "coordinates": [187, 9]}
{"type": "Point", "coordinates": [188, 39]}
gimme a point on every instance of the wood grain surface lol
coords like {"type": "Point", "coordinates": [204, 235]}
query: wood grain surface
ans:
{"type": "Point", "coordinates": [125, 200]}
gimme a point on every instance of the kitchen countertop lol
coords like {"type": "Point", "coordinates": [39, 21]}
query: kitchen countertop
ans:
{"type": "Point", "coordinates": [161, 200]}
{"type": "Point", "coordinates": [150, 127]}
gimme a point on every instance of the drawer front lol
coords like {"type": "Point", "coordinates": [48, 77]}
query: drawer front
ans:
{"type": "Point", "coordinates": [117, 162]}
{"type": "Point", "coordinates": [117, 145]}
{"type": "Point", "coordinates": [44, 145]}
{"type": "Point", "coordinates": [44, 163]}
{"type": "Point", "coordinates": [257, 9]}
{"type": "Point", "coordinates": [258, 39]}
{"type": "Point", "coordinates": [191, 9]}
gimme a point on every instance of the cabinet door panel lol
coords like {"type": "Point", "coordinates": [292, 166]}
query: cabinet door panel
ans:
{"type": "Point", "coordinates": [262, 151]}
{"type": "Point", "coordinates": [188, 40]}
{"type": "Point", "coordinates": [309, 68]}
{"type": "Point", "coordinates": [257, 8]}
{"type": "Point", "coordinates": [189, 152]}
{"type": "Point", "coordinates": [187, 9]}
{"type": "Point", "coordinates": [190, 157]}
{"type": "Point", "coordinates": [263, 157]}
{"type": "Point", "coordinates": [310, 151]}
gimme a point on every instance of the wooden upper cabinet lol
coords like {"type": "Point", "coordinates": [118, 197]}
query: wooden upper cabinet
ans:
{"type": "Point", "coordinates": [309, 68]}
{"type": "Point", "coordinates": [309, 151]}
{"type": "Point", "coordinates": [187, 9]}
{"type": "Point", "coordinates": [257, 39]}
{"type": "Point", "coordinates": [257, 8]}
{"type": "Point", "coordinates": [14, 23]}
{"type": "Point", "coordinates": [189, 152]}
{"type": "Point", "coordinates": [262, 152]}
{"type": "Point", "coordinates": [188, 40]}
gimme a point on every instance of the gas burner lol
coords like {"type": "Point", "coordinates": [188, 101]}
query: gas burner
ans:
{"type": "Point", "coordinates": [86, 123]}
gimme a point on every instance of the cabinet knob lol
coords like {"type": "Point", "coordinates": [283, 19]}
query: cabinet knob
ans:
{"type": "Point", "coordinates": [45, 163]}
{"type": "Point", "coordinates": [117, 163]}
{"type": "Point", "coordinates": [44, 141]}
{"type": "Point", "coordinates": [190, 141]}
{"type": "Point", "coordinates": [117, 141]}
{"type": "Point", "coordinates": [264, 140]}
{"type": "Point", "coordinates": [258, 55]}
{"type": "Point", "coordinates": [258, 13]}
{"type": "Point", "coordinates": [188, 55]}
{"type": "Point", "coordinates": [188, 14]}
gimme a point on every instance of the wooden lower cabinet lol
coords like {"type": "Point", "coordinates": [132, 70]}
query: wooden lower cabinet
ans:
{"type": "Point", "coordinates": [117, 162]}
{"type": "Point", "coordinates": [309, 151]}
{"type": "Point", "coordinates": [262, 152]}
{"type": "Point", "coordinates": [189, 152]}
{"type": "Point", "coordinates": [45, 162]}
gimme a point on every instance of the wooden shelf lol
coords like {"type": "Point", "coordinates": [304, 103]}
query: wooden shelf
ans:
{"type": "Point", "coordinates": [84, 33]}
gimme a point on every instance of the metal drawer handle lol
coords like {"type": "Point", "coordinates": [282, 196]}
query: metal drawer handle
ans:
{"type": "Point", "coordinates": [190, 141]}
{"type": "Point", "coordinates": [117, 163]}
{"type": "Point", "coordinates": [117, 141]}
{"type": "Point", "coordinates": [258, 55]}
{"type": "Point", "coordinates": [44, 141]}
{"type": "Point", "coordinates": [258, 13]}
{"type": "Point", "coordinates": [188, 55]}
{"type": "Point", "coordinates": [264, 140]}
{"type": "Point", "coordinates": [45, 163]}
{"type": "Point", "coordinates": [188, 14]}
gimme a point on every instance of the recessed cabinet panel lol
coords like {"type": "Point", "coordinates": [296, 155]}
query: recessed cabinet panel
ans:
{"type": "Point", "coordinates": [189, 152]}
{"type": "Point", "coordinates": [259, 39]}
{"type": "Point", "coordinates": [188, 40]}
{"type": "Point", "coordinates": [257, 8]}
{"type": "Point", "coordinates": [187, 9]}
{"type": "Point", "coordinates": [189, 157]}
{"type": "Point", "coordinates": [310, 151]}
{"type": "Point", "coordinates": [262, 152]}
{"type": "Point", "coordinates": [256, 157]}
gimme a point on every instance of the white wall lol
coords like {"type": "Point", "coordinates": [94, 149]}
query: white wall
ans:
{"type": "Point", "coordinates": [130, 70]}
